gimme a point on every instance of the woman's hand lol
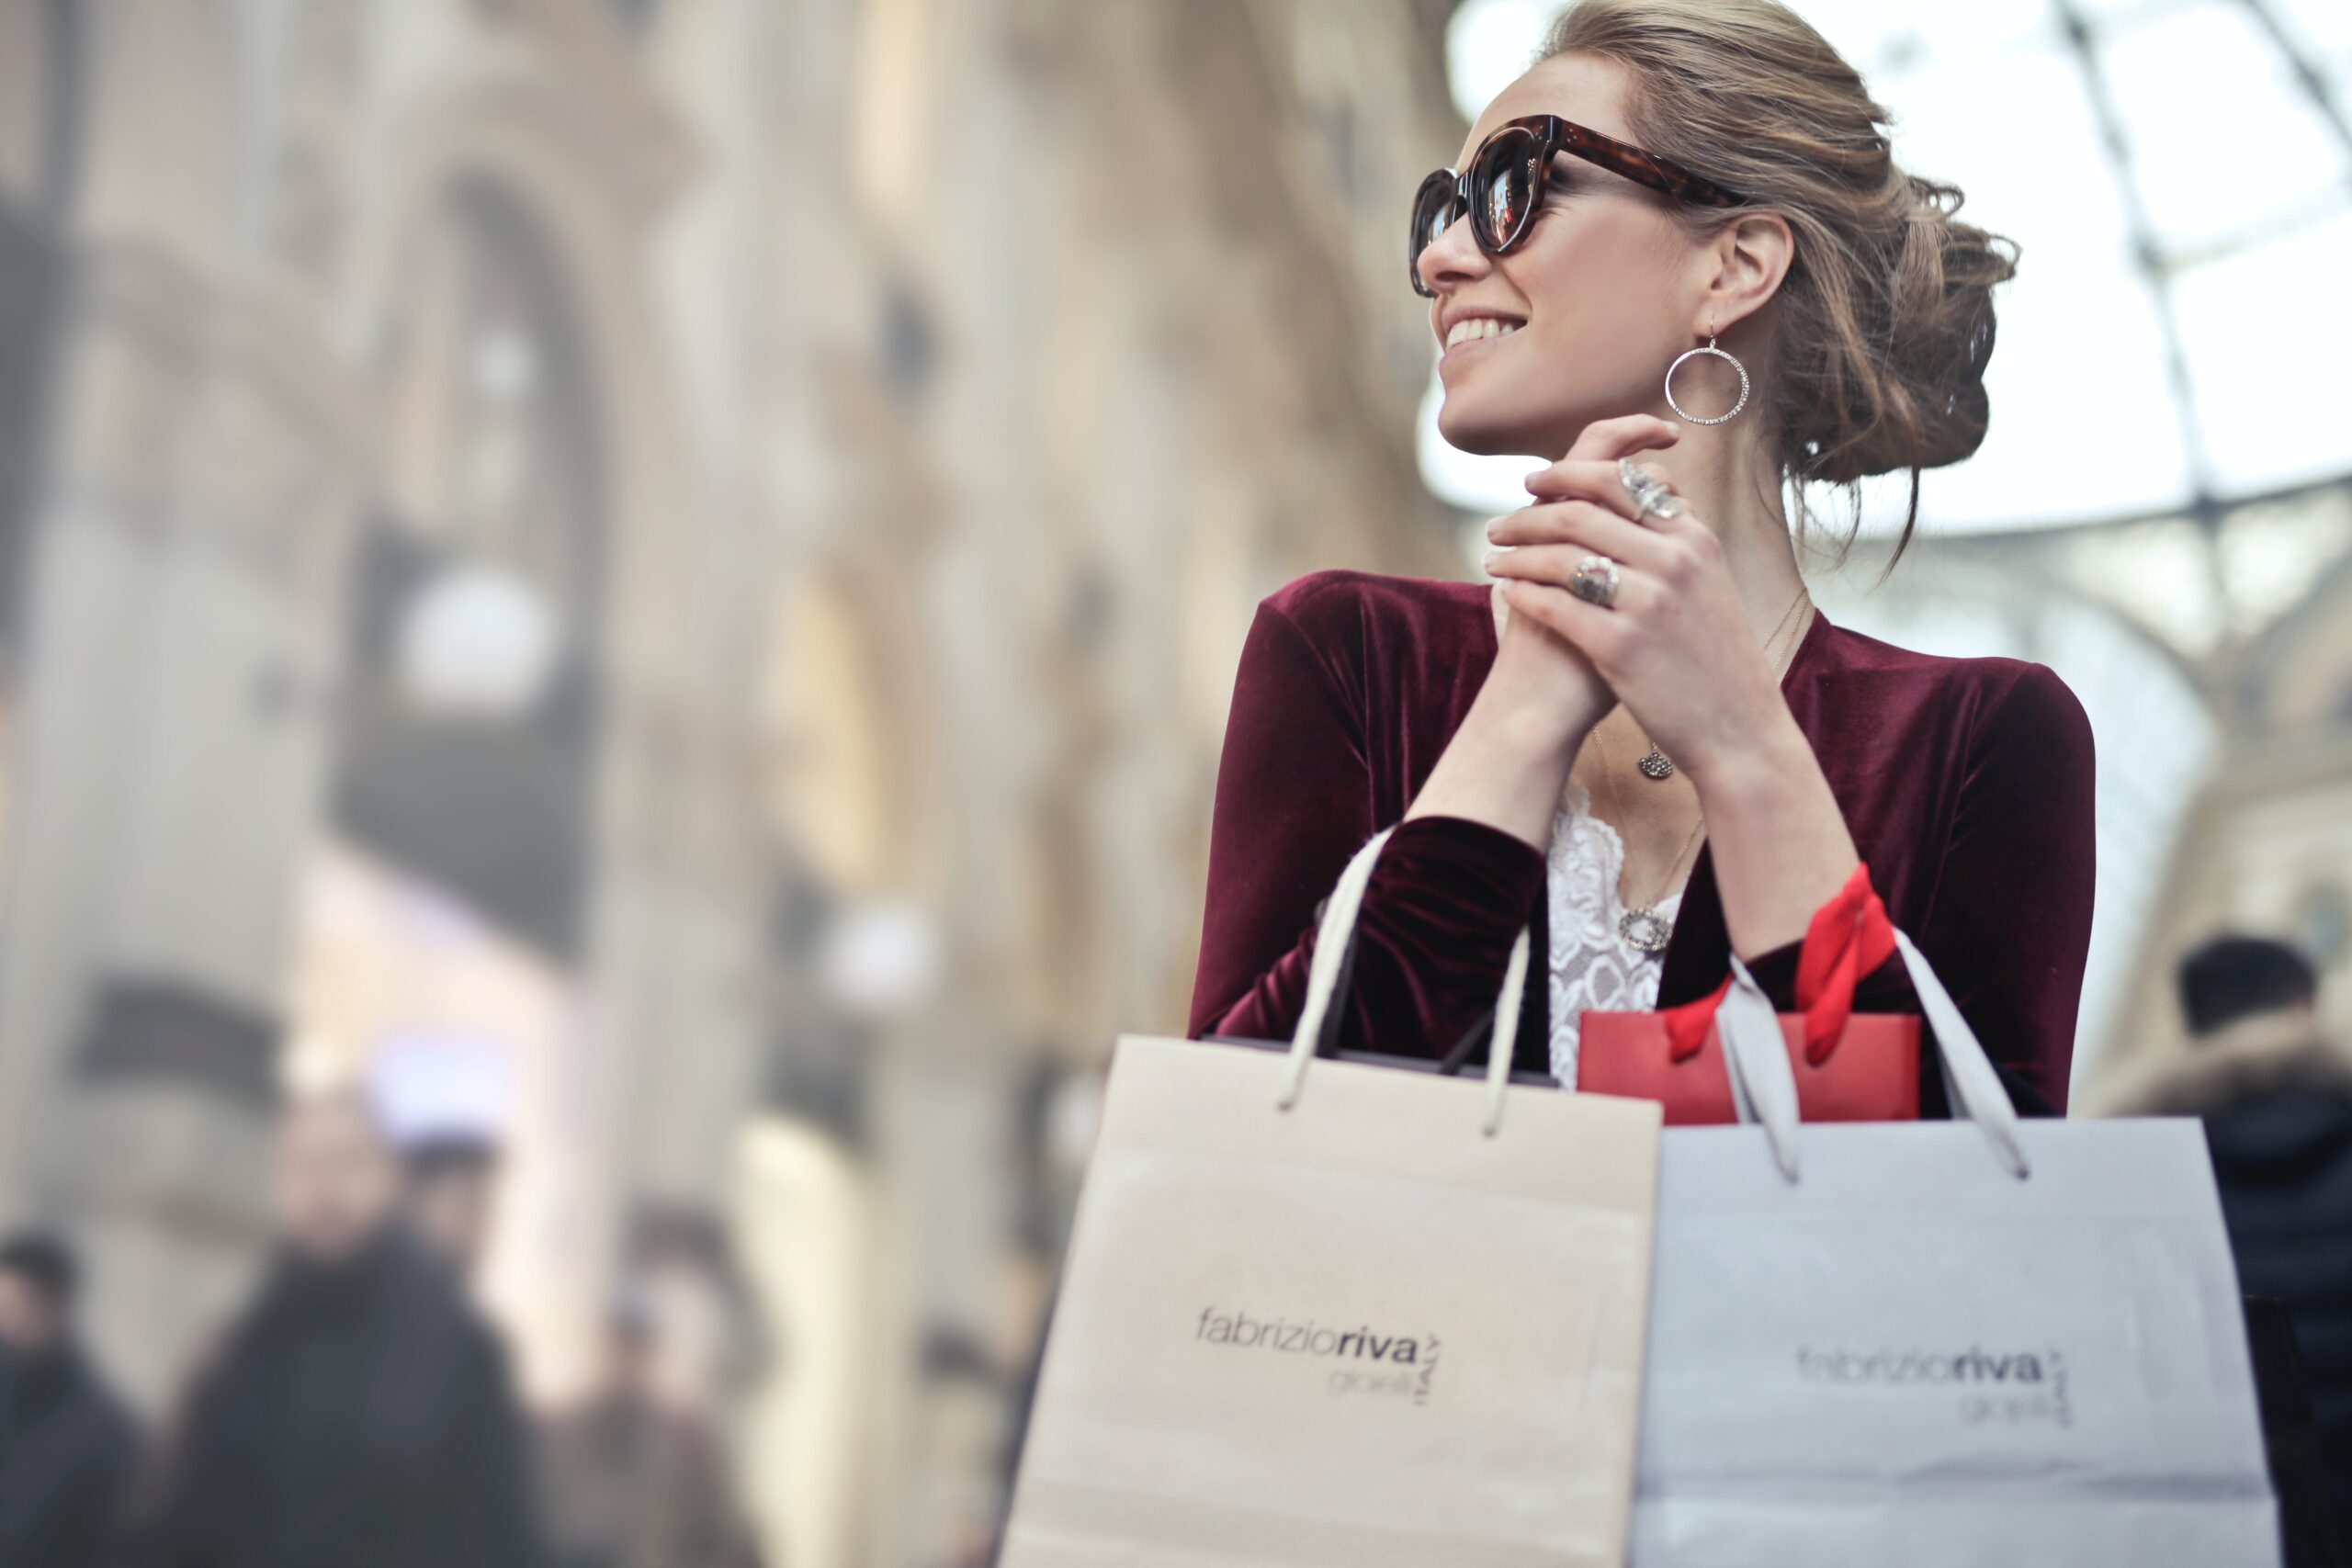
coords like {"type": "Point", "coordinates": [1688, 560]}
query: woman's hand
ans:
{"type": "Point", "coordinates": [1676, 646]}
{"type": "Point", "coordinates": [1505, 764]}
{"type": "Point", "coordinates": [1536, 669]}
{"type": "Point", "coordinates": [1677, 650]}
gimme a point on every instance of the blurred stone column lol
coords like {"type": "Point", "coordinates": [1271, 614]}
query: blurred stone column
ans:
{"type": "Point", "coordinates": [205, 457]}
{"type": "Point", "coordinates": [176, 684]}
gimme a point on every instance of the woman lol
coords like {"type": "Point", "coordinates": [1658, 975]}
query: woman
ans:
{"type": "Point", "coordinates": [1645, 740]}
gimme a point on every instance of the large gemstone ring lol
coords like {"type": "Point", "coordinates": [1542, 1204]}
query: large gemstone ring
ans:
{"type": "Point", "coordinates": [1650, 496]}
{"type": "Point", "coordinates": [1594, 581]}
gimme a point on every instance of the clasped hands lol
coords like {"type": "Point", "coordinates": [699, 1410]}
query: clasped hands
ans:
{"type": "Point", "coordinates": [1674, 645]}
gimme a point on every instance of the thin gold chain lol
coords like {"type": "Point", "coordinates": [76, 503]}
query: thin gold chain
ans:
{"type": "Point", "coordinates": [1608, 774]}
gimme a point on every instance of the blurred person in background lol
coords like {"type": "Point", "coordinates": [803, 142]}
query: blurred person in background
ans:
{"type": "Point", "coordinates": [2275, 1096]}
{"type": "Point", "coordinates": [360, 1413]}
{"type": "Point", "coordinates": [1642, 739]}
{"type": "Point", "coordinates": [67, 1448]}
{"type": "Point", "coordinates": [449, 1190]}
{"type": "Point", "coordinates": [632, 1482]}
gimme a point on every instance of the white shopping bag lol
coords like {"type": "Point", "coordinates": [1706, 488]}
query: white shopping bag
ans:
{"type": "Point", "coordinates": [1930, 1344]}
{"type": "Point", "coordinates": [1344, 1316]}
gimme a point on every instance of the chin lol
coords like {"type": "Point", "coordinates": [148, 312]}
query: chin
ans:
{"type": "Point", "coordinates": [1486, 437]}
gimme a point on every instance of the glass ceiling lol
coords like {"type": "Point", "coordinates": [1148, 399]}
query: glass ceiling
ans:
{"type": "Point", "coordinates": [2179, 176]}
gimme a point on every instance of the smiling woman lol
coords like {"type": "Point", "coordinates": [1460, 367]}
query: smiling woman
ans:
{"type": "Point", "coordinates": [1644, 742]}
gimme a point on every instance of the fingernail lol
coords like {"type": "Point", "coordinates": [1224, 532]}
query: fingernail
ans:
{"type": "Point", "coordinates": [1529, 481]}
{"type": "Point", "coordinates": [1494, 528]}
{"type": "Point", "coordinates": [1492, 556]}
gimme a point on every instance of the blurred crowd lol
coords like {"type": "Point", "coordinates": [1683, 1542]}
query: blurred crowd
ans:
{"type": "Point", "coordinates": [357, 1411]}
{"type": "Point", "coordinates": [2275, 1092]}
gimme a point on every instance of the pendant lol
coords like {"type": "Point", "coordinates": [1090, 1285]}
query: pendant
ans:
{"type": "Point", "coordinates": [1646, 929]}
{"type": "Point", "coordinates": [1658, 766]}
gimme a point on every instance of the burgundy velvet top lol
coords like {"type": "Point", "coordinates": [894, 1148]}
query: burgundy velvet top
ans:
{"type": "Point", "coordinates": [1965, 783]}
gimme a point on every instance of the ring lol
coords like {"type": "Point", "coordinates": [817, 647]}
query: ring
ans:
{"type": "Point", "coordinates": [1594, 581]}
{"type": "Point", "coordinates": [1650, 496]}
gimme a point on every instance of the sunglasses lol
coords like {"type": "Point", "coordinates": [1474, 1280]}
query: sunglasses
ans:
{"type": "Point", "coordinates": [1504, 184]}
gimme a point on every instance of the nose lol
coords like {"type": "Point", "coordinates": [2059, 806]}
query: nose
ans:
{"type": "Point", "coordinates": [1452, 258]}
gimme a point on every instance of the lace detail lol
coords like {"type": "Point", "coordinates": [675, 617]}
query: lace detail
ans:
{"type": "Point", "coordinates": [1592, 968]}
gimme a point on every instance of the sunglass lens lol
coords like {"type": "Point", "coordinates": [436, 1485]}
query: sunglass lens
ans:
{"type": "Point", "coordinates": [1433, 213]}
{"type": "Point", "coordinates": [1503, 188]}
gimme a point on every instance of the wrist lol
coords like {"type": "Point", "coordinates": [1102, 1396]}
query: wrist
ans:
{"type": "Point", "coordinates": [1537, 727]}
{"type": "Point", "coordinates": [1504, 766]}
{"type": "Point", "coordinates": [1746, 767]}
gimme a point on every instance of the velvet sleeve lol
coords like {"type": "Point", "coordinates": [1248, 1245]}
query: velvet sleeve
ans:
{"type": "Point", "coordinates": [1295, 802]}
{"type": "Point", "coordinates": [2008, 926]}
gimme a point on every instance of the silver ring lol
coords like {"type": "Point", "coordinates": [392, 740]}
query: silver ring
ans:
{"type": "Point", "coordinates": [1651, 498]}
{"type": "Point", "coordinates": [1594, 581]}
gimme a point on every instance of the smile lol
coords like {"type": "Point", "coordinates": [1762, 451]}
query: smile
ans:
{"type": "Point", "coordinates": [1478, 328]}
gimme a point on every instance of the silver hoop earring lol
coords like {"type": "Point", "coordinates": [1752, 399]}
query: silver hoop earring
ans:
{"type": "Point", "coordinates": [1719, 353]}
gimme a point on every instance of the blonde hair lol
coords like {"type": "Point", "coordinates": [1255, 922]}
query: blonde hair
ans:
{"type": "Point", "coordinates": [1884, 322]}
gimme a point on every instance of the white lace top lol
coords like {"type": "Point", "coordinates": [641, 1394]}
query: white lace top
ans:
{"type": "Point", "coordinates": [1591, 965]}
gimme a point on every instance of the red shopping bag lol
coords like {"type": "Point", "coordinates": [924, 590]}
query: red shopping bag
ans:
{"type": "Point", "coordinates": [1849, 1066]}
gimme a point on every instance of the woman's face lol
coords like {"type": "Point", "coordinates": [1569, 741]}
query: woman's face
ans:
{"type": "Point", "coordinates": [1590, 307]}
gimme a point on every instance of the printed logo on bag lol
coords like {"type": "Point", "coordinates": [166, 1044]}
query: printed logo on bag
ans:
{"type": "Point", "coordinates": [1364, 1361]}
{"type": "Point", "coordinates": [1991, 1388]}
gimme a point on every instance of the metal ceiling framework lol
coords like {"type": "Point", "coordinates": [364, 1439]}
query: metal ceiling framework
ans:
{"type": "Point", "coordinates": [2160, 265]}
{"type": "Point", "coordinates": [2148, 255]}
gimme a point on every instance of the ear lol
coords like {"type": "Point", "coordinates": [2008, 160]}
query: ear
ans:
{"type": "Point", "coordinates": [1749, 256]}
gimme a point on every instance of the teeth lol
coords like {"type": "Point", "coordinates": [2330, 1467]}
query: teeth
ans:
{"type": "Point", "coordinates": [1470, 329]}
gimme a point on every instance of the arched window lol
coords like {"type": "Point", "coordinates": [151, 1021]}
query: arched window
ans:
{"type": "Point", "coordinates": [469, 724]}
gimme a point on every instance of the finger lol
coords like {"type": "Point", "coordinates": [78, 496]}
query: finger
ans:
{"type": "Point", "coordinates": [1674, 518]}
{"type": "Point", "coordinates": [1592, 629]}
{"type": "Point", "coordinates": [1555, 566]}
{"type": "Point", "coordinates": [1606, 440]}
{"type": "Point", "coordinates": [1581, 523]}
{"type": "Point", "coordinates": [1600, 483]}
{"type": "Point", "coordinates": [1590, 472]}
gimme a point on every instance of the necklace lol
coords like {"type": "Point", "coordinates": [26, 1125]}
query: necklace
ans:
{"type": "Point", "coordinates": [1641, 925]}
{"type": "Point", "coordinates": [1658, 766]}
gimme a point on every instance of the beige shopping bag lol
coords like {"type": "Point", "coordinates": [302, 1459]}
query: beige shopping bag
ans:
{"type": "Point", "coordinates": [1317, 1313]}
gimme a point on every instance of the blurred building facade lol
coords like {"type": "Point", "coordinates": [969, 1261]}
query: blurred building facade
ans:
{"type": "Point", "coordinates": [661, 577]}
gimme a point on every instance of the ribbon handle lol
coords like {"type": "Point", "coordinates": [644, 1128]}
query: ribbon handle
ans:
{"type": "Point", "coordinates": [1847, 930]}
{"type": "Point", "coordinates": [1331, 940]}
{"type": "Point", "coordinates": [1847, 938]}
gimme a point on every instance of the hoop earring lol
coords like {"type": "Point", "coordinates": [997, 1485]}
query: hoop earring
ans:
{"type": "Point", "coordinates": [1719, 353]}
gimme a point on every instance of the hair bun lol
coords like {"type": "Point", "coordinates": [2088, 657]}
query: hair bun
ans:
{"type": "Point", "coordinates": [1921, 403]}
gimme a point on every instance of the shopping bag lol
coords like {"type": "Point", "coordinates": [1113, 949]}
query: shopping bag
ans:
{"type": "Point", "coordinates": [1871, 1075]}
{"type": "Point", "coordinates": [1319, 1313]}
{"type": "Point", "coordinates": [1848, 1066]}
{"type": "Point", "coordinates": [1937, 1344]}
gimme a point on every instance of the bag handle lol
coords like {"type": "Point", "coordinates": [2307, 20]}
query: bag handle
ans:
{"type": "Point", "coordinates": [1331, 940]}
{"type": "Point", "coordinates": [1764, 1085]}
{"type": "Point", "coordinates": [1847, 938]}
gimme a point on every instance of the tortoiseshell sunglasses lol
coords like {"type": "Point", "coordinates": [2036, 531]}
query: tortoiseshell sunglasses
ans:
{"type": "Point", "coordinates": [1504, 184]}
